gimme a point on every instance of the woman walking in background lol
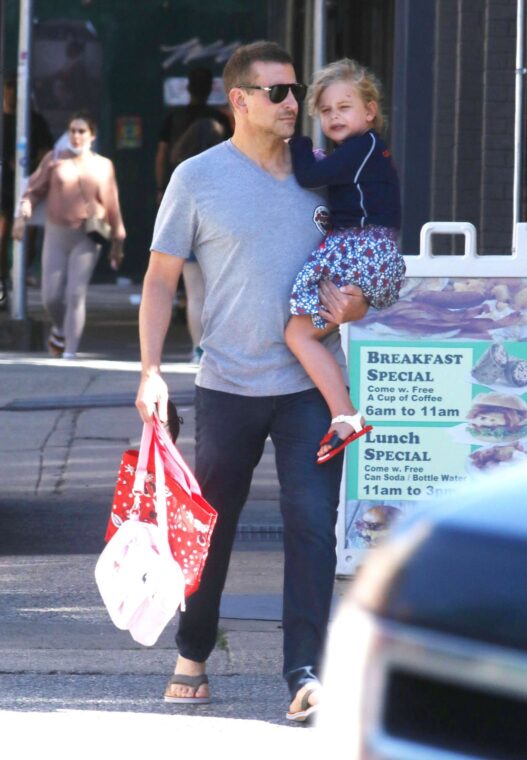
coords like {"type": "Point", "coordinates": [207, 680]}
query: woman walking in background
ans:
{"type": "Point", "coordinates": [79, 185]}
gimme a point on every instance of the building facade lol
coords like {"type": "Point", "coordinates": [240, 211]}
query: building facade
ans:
{"type": "Point", "coordinates": [448, 68]}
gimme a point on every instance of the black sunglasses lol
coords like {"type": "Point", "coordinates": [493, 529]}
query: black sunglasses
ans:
{"type": "Point", "coordinates": [279, 92]}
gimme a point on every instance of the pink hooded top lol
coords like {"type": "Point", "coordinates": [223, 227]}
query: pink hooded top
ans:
{"type": "Point", "coordinates": [71, 201]}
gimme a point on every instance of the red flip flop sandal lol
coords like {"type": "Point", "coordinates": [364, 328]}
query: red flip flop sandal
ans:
{"type": "Point", "coordinates": [336, 442]}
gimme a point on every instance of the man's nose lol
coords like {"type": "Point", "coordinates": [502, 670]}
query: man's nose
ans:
{"type": "Point", "coordinates": [291, 101]}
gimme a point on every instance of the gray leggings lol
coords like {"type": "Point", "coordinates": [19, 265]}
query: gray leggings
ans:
{"type": "Point", "coordinates": [68, 261]}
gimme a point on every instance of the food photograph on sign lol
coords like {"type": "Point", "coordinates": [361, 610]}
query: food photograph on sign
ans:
{"type": "Point", "coordinates": [500, 370]}
{"type": "Point", "coordinates": [493, 418]}
{"type": "Point", "coordinates": [455, 308]}
{"type": "Point", "coordinates": [370, 523]}
{"type": "Point", "coordinates": [442, 378]}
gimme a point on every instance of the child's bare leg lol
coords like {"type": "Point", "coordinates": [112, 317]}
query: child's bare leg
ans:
{"type": "Point", "coordinates": [303, 339]}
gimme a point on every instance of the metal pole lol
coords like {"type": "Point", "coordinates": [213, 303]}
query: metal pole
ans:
{"type": "Point", "coordinates": [518, 116]}
{"type": "Point", "coordinates": [2, 76]}
{"type": "Point", "coordinates": [289, 29]}
{"type": "Point", "coordinates": [319, 34]}
{"type": "Point", "coordinates": [307, 60]}
{"type": "Point", "coordinates": [319, 58]}
{"type": "Point", "coordinates": [18, 301]}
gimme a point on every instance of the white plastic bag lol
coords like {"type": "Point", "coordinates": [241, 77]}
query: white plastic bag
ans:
{"type": "Point", "coordinates": [140, 583]}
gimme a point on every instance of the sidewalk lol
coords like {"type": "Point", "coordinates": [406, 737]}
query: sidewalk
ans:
{"type": "Point", "coordinates": [82, 412]}
{"type": "Point", "coordinates": [64, 426]}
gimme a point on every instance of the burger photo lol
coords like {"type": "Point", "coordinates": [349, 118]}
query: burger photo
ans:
{"type": "Point", "coordinates": [374, 524]}
{"type": "Point", "coordinates": [497, 418]}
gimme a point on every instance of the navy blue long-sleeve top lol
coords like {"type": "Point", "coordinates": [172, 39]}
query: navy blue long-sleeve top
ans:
{"type": "Point", "coordinates": [362, 182]}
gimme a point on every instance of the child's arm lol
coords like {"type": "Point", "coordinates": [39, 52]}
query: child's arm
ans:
{"type": "Point", "coordinates": [338, 168]}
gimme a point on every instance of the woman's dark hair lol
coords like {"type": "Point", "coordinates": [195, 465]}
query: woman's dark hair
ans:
{"type": "Point", "coordinates": [85, 116]}
{"type": "Point", "coordinates": [199, 136]}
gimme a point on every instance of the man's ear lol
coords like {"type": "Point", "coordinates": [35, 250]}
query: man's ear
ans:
{"type": "Point", "coordinates": [237, 100]}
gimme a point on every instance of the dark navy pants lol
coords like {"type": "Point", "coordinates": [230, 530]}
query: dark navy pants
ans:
{"type": "Point", "coordinates": [231, 431]}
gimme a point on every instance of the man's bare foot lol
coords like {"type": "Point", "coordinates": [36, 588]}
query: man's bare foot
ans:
{"type": "Point", "coordinates": [190, 670]}
{"type": "Point", "coordinates": [343, 430]}
{"type": "Point", "coordinates": [304, 703]}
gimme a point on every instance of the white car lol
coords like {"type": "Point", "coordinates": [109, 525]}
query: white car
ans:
{"type": "Point", "coordinates": [427, 656]}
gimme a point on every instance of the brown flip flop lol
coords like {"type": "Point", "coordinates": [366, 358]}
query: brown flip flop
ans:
{"type": "Point", "coordinates": [194, 682]}
{"type": "Point", "coordinates": [306, 710]}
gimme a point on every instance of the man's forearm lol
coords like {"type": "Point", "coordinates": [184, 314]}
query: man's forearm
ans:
{"type": "Point", "coordinates": [154, 319]}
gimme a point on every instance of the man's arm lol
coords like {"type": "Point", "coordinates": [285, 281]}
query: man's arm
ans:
{"type": "Point", "coordinates": [159, 289]}
{"type": "Point", "coordinates": [340, 305]}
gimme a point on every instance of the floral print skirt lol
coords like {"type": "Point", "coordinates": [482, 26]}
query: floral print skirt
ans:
{"type": "Point", "coordinates": [368, 257]}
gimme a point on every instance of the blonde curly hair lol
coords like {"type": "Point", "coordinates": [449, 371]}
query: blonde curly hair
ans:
{"type": "Point", "coordinates": [347, 70]}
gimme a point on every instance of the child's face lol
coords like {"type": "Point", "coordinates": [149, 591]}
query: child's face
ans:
{"type": "Point", "coordinates": [343, 113]}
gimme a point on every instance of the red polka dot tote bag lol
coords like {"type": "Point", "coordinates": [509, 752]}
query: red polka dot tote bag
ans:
{"type": "Point", "coordinates": [190, 518]}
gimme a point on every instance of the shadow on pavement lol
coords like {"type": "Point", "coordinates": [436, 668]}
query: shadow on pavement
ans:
{"type": "Point", "coordinates": [68, 526]}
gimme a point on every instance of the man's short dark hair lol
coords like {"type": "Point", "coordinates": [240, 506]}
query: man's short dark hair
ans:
{"type": "Point", "coordinates": [238, 68]}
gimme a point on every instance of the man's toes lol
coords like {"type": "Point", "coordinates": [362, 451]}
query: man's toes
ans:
{"type": "Point", "coordinates": [313, 699]}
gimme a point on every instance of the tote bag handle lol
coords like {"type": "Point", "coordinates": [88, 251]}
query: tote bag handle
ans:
{"type": "Point", "coordinates": [180, 472]}
{"type": "Point", "coordinates": [147, 437]}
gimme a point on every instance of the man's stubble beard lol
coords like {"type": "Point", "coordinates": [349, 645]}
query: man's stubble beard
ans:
{"type": "Point", "coordinates": [284, 128]}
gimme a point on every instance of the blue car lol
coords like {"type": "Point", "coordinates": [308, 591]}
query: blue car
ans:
{"type": "Point", "coordinates": [427, 656]}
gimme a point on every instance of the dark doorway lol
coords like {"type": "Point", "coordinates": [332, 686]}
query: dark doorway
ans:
{"type": "Point", "coordinates": [364, 30]}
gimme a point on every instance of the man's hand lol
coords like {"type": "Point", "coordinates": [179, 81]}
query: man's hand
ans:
{"type": "Point", "coordinates": [340, 305]}
{"type": "Point", "coordinates": [152, 394]}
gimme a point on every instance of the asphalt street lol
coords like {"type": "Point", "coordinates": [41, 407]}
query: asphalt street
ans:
{"type": "Point", "coordinates": [70, 682]}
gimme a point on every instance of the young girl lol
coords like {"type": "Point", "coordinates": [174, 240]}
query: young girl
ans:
{"type": "Point", "coordinates": [361, 248]}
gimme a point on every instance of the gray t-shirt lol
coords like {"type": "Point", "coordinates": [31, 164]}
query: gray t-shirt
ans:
{"type": "Point", "coordinates": [251, 234]}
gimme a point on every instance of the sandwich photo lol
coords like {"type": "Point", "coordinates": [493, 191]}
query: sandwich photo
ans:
{"type": "Point", "coordinates": [497, 418]}
{"type": "Point", "coordinates": [374, 524]}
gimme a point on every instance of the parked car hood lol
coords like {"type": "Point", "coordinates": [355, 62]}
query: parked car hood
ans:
{"type": "Point", "coordinates": [459, 568]}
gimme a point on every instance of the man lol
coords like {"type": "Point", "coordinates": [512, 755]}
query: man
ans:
{"type": "Point", "coordinates": [178, 120]}
{"type": "Point", "coordinates": [251, 226]}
